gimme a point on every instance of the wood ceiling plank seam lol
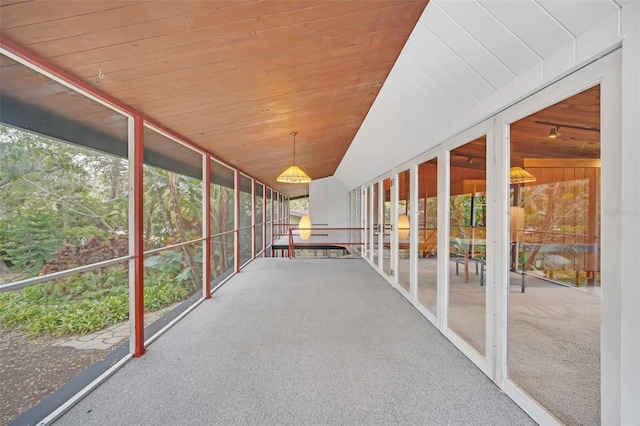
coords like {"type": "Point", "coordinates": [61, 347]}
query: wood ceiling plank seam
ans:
{"type": "Point", "coordinates": [314, 114]}
{"type": "Point", "coordinates": [119, 50]}
{"type": "Point", "coordinates": [213, 88]}
{"type": "Point", "coordinates": [241, 133]}
{"type": "Point", "coordinates": [127, 50]}
{"type": "Point", "coordinates": [103, 20]}
{"type": "Point", "coordinates": [221, 78]}
{"type": "Point", "coordinates": [225, 142]}
{"type": "Point", "coordinates": [344, 20]}
{"type": "Point", "coordinates": [212, 67]}
{"type": "Point", "coordinates": [107, 65]}
{"type": "Point", "coordinates": [187, 98]}
{"type": "Point", "coordinates": [268, 87]}
{"type": "Point", "coordinates": [229, 65]}
{"type": "Point", "coordinates": [24, 12]}
{"type": "Point", "coordinates": [101, 39]}
{"type": "Point", "coordinates": [247, 107]}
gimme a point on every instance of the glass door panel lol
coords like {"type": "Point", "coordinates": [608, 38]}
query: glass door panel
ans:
{"type": "Point", "coordinates": [467, 253]}
{"type": "Point", "coordinates": [376, 223]}
{"type": "Point", "coordinates": [554, 269]}
{"type": "Point", "coordinates": [387, 226]}
{"type": "Point", "coordinates": [427, 249]}
{"type": "Point", "coordinates": [403, 214]}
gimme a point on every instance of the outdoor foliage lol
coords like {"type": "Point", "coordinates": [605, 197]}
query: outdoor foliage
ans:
{"type": "Point", "coordinates": [55, 194]}
{"type": "Point", "coordinates": [65, 206]}
{"type": "Point", "coordinates": [81, 303]}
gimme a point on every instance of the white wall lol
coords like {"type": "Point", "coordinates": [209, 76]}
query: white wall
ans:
{"type": "Point", "coordinates": [329, 200]}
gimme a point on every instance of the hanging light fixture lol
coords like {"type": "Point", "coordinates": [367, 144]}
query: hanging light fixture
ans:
{"type": "Point", "coordinates": [519, 175]}
{"type": "Point", "coordinates": [403, 227]}
{"type": "Point", "coordinates": [305, 222]}
{"type": "Point", "coordinates": [554, 132]}
{"type": "Point", "coordinates": [293, 174]}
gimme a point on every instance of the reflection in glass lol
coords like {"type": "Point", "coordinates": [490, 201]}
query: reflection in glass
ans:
{"type": "Point", "coordinates": [427, 250]}
{"type": "Point", "coordinates": [386, 228]}
{"type": "Point", "coordinates": [403, 212]}
{"type": "Point", "coordinates": [467, 246]}
{"type": "Point", "coordinates": [555, 292]}
{"type": "Point", "coordinates": [376, 224]}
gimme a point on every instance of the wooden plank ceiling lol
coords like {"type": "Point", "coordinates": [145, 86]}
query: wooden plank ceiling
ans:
{"type": "Point", "coordinates": [234, 77]}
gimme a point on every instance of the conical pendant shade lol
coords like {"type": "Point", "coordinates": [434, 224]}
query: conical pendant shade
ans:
{"type": "Point", "coordinates": [520, 175]}
{"type": "Point", "coordinates": [293, 174]}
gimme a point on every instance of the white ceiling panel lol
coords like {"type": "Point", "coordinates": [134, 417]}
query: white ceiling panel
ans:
{"type": "Point", "coordinates": [531, 23]}
{"type": "Point", "coordinates": [504, 45]}
{"type": "Point", "coordinates": [450, 61]}
{"type": "Point", "coordinates": [431, 68]}
{"type": "Point", "coordinates": [406, 98]}
{"type": "Point", "coordinates": [579, 17]}
{"type": "Point", "coordinates": [466, 47]}
{"type": "Point", "coordinates": [436, 94]}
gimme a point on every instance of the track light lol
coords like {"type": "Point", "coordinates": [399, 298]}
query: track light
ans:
{"type": "Point", "coordinates": [554, 132]}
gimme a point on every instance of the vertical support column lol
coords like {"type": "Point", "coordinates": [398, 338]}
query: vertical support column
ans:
{"type": "Point", "coordinates": [380, 224]}
{"type": "Point", "coordinates": [254, 220]}
{"type": "Point", "coordinates": [136, 234]}
{"type": "Point", "coordinates": [630, 224]}
{"type": "Point", "coordinates": [444, 207]}
{"type": "Point", "coordinates": [394, 192]}
{"type": "Point", "coordinates": [263, 224]}
{"type": "Point", "coordinates": [363, 221]}
{"type": "Point", "coordinates": [413, 231]}
{"type": "Point", "coordinates": [236, 214]}
{"type": "Point", "coordinates": [206, 225]}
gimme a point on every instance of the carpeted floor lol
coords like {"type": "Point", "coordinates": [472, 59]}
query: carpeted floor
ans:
{"type": "Point", "coordinates": [554, 337]}
{"type": "Point", "coordinates": [300, 342]}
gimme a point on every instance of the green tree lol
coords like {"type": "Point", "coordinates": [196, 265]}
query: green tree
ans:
{"type": "Point", "coordinates": [34, 243]}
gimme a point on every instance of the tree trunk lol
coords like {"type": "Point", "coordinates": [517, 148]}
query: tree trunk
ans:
{"type": "Point", "coordinates": [165, 212]}
{"type": "Point", "coordinates": [173, 189]}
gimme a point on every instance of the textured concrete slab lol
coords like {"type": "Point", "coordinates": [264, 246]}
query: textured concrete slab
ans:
{"type": "Point", "coordinates": [300, 342]}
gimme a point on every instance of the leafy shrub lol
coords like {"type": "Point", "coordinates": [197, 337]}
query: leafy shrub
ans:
{"type": "Point", "coordinates": [83, 303]}
{"type": "Point", "coordinates": [96, 249]}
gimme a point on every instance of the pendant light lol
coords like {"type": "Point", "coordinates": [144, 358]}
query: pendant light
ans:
{"type": "Point", "coordinates": [293, 174]}
{"type": "Point", "coordinates": [305, 223]}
